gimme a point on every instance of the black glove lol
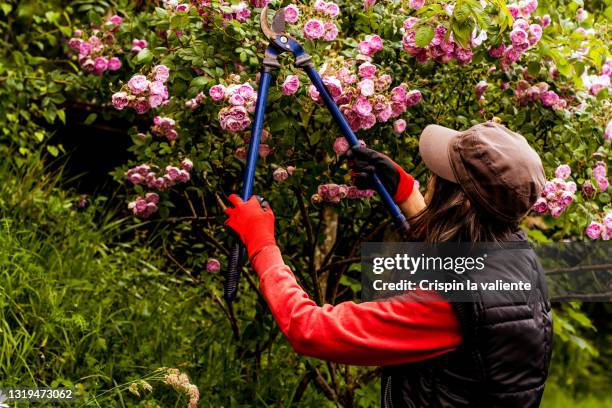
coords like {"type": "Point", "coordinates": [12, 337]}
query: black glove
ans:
{"type": "Point", "coordinates": [364, 162]}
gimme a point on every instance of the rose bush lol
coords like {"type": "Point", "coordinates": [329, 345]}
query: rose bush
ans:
{"type": "Point", "coordinates": [185, 74]}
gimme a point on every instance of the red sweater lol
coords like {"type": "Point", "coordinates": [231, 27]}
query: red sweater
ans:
{"type": "Point", "coordinates": [369, 333]}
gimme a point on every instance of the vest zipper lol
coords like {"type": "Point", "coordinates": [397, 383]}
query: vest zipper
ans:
{"type": "Point", "coordinates": [388, 399]}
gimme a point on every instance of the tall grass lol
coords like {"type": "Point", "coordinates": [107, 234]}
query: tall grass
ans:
{"type": "Point", "coordinates": [86, 302]}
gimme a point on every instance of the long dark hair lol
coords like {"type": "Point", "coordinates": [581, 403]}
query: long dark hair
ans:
{"type": "Point", "coordinates": [450, 216]}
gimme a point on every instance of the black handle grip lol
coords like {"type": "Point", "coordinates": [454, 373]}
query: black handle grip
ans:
{"type": "Point", "coordinates": [234, 269]}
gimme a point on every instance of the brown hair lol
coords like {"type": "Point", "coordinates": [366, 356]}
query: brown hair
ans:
{"type": "Point", "coordinates": [451, 216]}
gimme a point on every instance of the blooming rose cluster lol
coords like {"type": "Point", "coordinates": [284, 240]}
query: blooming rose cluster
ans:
{"type": "Point", "coordinates": [282, 174]}
{"type": "Point", "coordinates": [600, 175]}
{"type": "Point", "coordinates": [524, 34]}
{"type": "Point", "coordinates": [601, 229]}
{"type": "Point", "coordinates": [95, 52]}
{"type": "Point", "coordinates": [144, 207]}
{"type": "Point", "coordinates": [364, 97]}
{"type": "Point", "coordinates": [370, 45]}
{"type": "Point", "coordinates": [334, 193]}
{"type": "Point", "coordinates": [164, 127]}
{"type": "Point", "coordinates": [143, 174]}
{"type": "Point", "coordinates": [143, 93]}
{"type": "Point", "coordinates": [526, 93]}
{"type": "Point", "coordinates": [208, 10]}
{"type": "Point", "coordinates": [319, 19]}
{"type": "Point", "coordinates": [240, 99]}
{"type": "Point", "coordinates": [558, 193]}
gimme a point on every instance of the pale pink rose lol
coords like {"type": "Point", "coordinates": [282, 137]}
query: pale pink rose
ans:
{"type": "Point", "coordinates": [313, 29]}
{"type": "Point", "coordinates": [138, 84]}
{"type": "Point", "coordinates": [413, 97]}
{"type": "Point", "coordinates": [367, 70]}
{"type": "Point", "coordinates": [120, 100]}
{"type": "Point", "coordinates": [332, 9]}
{"type": "Point", "coordinates": [362, 106]}
{"type": "Point", "coordinates": [331, 31]}
{"type": "Point", "coordinates": [366, 87]}
{"type": "Point", "coordinates": [320, 6]}
{"type": "Point", "coordinates": [399, 126]}
{"type": "Point", "coordinates": [563, 172]}
{"type": "Point", "coordinates": [161, 73]}
{"type": "Point", "coordinates": [292, 14]}
{"type": "Point", "coordinates": [334, 86]}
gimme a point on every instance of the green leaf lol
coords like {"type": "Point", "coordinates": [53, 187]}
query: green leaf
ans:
{"type": "Point", "coordinates": [62, 115]}
{"type": "Point", "coordinates": [90, 119]}
{"type": "Point", "coordinates": [533, 68]}
{"type": "Point", "coordinates": [144, 56]}
{"type": "Point", "coordinates": [424, 36]}
{"type": "Point", "coordinates": [53, 150]}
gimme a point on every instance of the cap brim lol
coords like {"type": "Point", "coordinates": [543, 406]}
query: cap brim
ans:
{"type": "Point", "coordinates": [433, 147]}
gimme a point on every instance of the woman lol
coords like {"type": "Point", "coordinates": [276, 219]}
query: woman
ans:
{"type": "Point", "coordinates": [486, 353]}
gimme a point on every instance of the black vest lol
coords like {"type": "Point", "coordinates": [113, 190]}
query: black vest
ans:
{"type": "Point", "coordinates": [504, 356]}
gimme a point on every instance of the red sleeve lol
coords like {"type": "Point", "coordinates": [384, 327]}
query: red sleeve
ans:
{"type": "Point", "coordinates": [369, 333]}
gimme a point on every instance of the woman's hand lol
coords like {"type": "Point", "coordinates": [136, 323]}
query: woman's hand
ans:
{"type": "Point", "coordinates": [364, 162]}
{"type": "Point", "coordinates": [254, 223]}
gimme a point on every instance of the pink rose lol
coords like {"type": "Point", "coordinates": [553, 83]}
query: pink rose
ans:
{"type": "Point", "coordinates": [264, 150]}
{"type": "Point", "coordinates": [367, 70]}
{"type": "Point", "coordinates": [217, 92]}
{"type": "Point", "coordinates": [291, 85]}
{"type": "Point", "coordinates": [292, 14]}
{"type": "Point", "coordinates": [413, 97]}
{"type": "Point", "coordinates": [563, 171]}
{"type": "Point", "coordinates": [333, 85]}
{"type": "Point", "coordinates": [161, 73]}
{"type": "Point", "coordinates": [549, 98]}
{"type": "Point", "coordinates": [399, 126]}
{"type": "Point", "coordinates": [142, 106]}
{"type": "Point", "coordinates": [416, 4]}
{"type": "Point", "coordinates": [366, 87]}
{"type": "Point", "coordinates": [518, 36]}
{"type": "Point", "coordinates": [320, 6]}
{"type": "Point", "coordinates": [152, 198]}
{"type": "Point", "coordinates": [138, 84]}
{"type": "Point", "coordinates": [341, 146]}
{"type": "Point", "coordinates": [114, 64]}
{"type": "Point", "coordinates": [280, 174]}
{"type": "Point", "coordinates": [314, 29]}
{"type": "Point", "coordinates": [594, 230]}
{"type": "Point", "coordinates": [213, 266]}
{"type": "Point", "coordinates": [540, 206]}
{"type": "Point", "coordinates": [546, 20]}
{"type": "Point", "coordinates": [85, 48]}
{"type": "Point", "coordinates": [608, 131]}
{"type": "Point", "coordinates": [331, 31]}
{"type": "Point", "coordinates": [120, 100]}
{"type": "Point", "coordinates": [314, 93]}
{"type": "Point", "coordinates": [332, 9]}
{"type": "Point", "coordinates": [116, 20]}
{"type": "Point", "coordinates": [362, 106]}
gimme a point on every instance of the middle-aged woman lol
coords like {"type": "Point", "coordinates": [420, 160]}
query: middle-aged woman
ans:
{"type": "Point", "coordinates": [441, 353]}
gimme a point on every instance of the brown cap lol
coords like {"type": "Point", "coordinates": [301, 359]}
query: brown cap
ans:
{"type": "Point", "coordinates": [496, 167]}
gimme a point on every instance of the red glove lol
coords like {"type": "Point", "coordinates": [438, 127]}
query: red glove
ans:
{"type": "Point", "coordinates": [253, 223]}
